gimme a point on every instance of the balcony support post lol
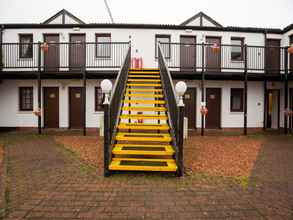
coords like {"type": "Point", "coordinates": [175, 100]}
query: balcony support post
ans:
{"type": "Point", "coordinates": [84, 93]}
{"type": "Point", "coordinates": [39, 90]}
{"type": "Point", "coordinates": [245, 90]}
{"type": "Point", "coordinates": [202, 88]}
{"type": "Point", "coordinates": [286, 91]}
{"type": "Point", "coordinates": [1, 41]}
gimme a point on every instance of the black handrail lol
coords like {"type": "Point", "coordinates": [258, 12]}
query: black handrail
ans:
{"type": "Point", "coordinates": [113, 109]}
{"type": "Point", "coordinates": [175, 113]}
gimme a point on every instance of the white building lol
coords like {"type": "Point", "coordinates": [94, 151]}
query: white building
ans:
{"type": "Point", "coordinates": [69, 65]}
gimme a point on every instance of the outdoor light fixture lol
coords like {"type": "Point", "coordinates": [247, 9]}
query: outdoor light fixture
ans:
{"type": "Point", "coordinates": [106, 86]}
{"type": "Point", "coordinates": [75, 28]}
{"type": "Point", "coordinates": [180, 88]}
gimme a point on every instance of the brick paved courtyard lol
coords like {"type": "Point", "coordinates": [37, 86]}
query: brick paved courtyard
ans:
{"type": "Point", "coordinates": [45, 181]}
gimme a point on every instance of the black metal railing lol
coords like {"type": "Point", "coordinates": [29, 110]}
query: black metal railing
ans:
{"type": "Point", "coordinates": [224, 58]}
{"type": "Point", "coordinates": [63, 56]}
{"type": "Point", "coordinates": [175, 113]}
{"type": "Point", "coordinates": [113, 109]}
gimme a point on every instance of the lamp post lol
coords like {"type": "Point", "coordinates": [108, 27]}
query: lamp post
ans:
{"type": "Point", "coordinates": [106, 86]}
{"type": "Point", "coordinates": [180, 89]}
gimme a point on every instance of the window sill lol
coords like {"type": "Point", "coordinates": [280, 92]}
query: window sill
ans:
{"type": "Point", "coordinates": [237, 61]}
{"type": "Point", "coordinates": [237, 112]}
{"type": "Point", "coordinates": [103, 58]}
{"type": "Point", "coordinates": [25, 112]}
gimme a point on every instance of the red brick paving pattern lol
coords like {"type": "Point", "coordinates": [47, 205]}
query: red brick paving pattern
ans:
{"type": "Point", "coordinates": [63, 188]}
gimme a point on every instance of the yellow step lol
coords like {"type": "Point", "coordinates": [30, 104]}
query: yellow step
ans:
{"type": "Point", "coordinates": [129, 165]}
{"type": "Point", "coordinates": [144, 126]}
{"type": "Point", "coordinates": [144, 95]}
{"type": "Point", "coordinates": [144, 76]}
{"type": "Point", "coordinates": [161, 150]}
{"type": "Point", "coordinates": [161, 102]}
{"type": "Point", "coordinates": [143, 90]}
{"type": "Point", "coordinates": [141, 116]}
{"type": "Point", "coordinates": [144, 73]}
{"type": "Point", "coordinates": [144, 69]}
{"type": "Point", "coordinates": [143, 80]}
{"type": "Point", "coordinates": [143, 159]}
{"type": "Point", "coordinates": [143, 137]}
{"type": "Point", "coordinates": [145, 85]}
{"type": "Point", "coordinates": [155, 109]}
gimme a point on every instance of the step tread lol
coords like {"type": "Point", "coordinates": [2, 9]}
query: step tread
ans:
{"type": "Point", "coordinates": [143, 80]}
{"type": "Point", "coordinates": [143, 90]}
{"type": "Point", "coordinates": [134, 108]}
{"type": "Point", "coordinates": [139, 126]}
{"type": "Point", "coordinates": [155, 137]}
{"type": "Point", "coordinates": [130, 165]}
{"type": "Point", "coordinates": [137, 101]}
{"type": "Point", "coordinates": [141, 116]}
{"type": "Point", "coordinates": [164, 150]}
{"type": "Point", "coordinates": [144, 76]}
{"type": "Point", "coordinates": [145, 85]}
{"type": "Point", "coordinates": [144, 95]}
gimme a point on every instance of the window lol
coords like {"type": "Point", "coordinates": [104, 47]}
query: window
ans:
{"type": "Point", "coordinates": [236, 100]}
{"type": "Point", "coordinates": [103, 45]}
{"type": "Point", "coordinates": [99, 98]}
{"type": "Point", "coordinates": [25, 46]}
{"type": "Point", "coordinates": [237, 49]}
{"type": "Point", "coordinates": [26, 99]}
{"type": "Point", "coordinates": [166, 46]}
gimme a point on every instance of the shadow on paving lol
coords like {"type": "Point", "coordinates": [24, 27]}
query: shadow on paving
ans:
{"type": "Point", "coordinates": [270, 185]}
{"type": "Point", "coordinates": [48, 182]}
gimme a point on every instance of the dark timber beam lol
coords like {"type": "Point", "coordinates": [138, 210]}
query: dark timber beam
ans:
{"type": "Point", "coordinates": [245, 91]}
{"type": "Point", "coordinates": [1, 41]}
{"type": "Point", "coordinates": [286, 91]}
{"type": "Point", "coordinates": [202, 87]}
{"type": "Point", "coordinates": [39, 90]}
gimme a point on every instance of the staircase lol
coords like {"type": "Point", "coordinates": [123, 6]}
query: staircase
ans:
{"type": "Point", "coordinates": [143, 136]}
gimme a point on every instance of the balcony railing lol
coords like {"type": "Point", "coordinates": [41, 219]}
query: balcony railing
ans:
{"type": "Point", "coordinates": [63, 56]}
{"type": "Point", "coordinates": [225, 58]}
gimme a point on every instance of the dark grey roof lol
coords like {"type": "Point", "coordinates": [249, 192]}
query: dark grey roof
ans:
{"type": "Point", "coordinates": [63, 12]}
{"type": "Point", "coordinates": [201, 15]}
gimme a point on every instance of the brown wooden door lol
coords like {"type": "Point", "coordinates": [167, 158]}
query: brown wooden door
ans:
{"type": "Point", "coordinates": [213, 103]}
{"type": "Point", "coordinates": [190, 107]}
{"type": "Point", "coordinates": [51, 107]}
{"type": "Point", "coordinates": [76, 115]}
{"type": "Point", "coordinates": [273, 108]}
{"type": "Point", "coordinates": [187, 53]}
{"type": "Point", "coordinates": [291, 55]}
{"type": "Point", "coordinates": [213, 59]}
{"type": "Point", "coordinates": [77, 52]}
{"type": "Point", "coordinates": [273, 56]}
{"type": "Point", "coordinates": [51, 57]}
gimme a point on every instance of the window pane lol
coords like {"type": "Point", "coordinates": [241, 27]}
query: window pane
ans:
{"type": "Point", "coordinates": [103, 46]}
{"type": "Point", "coordinates": [99, 99]}
{"type": "Point", "coordinates": [26, 98]}
{"type": "Point", "coordinates": [236, 51]}
{"type": "Point", "coordinates": [237, 100]}
{"type": "Point", "coordinates": [26, 47]}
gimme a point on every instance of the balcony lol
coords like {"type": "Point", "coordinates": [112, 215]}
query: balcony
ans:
{"type": "Point", "coordinates": [230, 60]}
{"type": "Point", "coordinates": [73, 58]}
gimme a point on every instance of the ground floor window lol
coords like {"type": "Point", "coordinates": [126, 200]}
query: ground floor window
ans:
{"type": "Point", "coordinates": [236, 100]}
{"type": "Point", "coordinates": [26, 98]}
{"type": "Point", "coordinates": [99, 98]}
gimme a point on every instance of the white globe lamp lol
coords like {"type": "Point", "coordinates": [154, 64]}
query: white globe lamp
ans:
{"type": "Point", "coordinates": [106, 86]}
{"type": "Point", "coordinates": [180, 89]}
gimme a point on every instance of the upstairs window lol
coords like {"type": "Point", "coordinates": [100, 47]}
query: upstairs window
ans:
{"type": "Point", "coordinates": [99, 98]}
{"type": "Point", "coordinates": [237, 49]}
{"type": "Point", "coordinates": [103, 45]}
{"type": "Point", "coordinates": [166, 46]}
{"type": "Point", "coordinates": [236, 100]}
{"type": "Point", "coordinates": [26, 98]}
{"type": "Point", "coordinates": [25, 46]}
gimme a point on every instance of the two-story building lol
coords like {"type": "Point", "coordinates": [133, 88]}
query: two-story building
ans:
{"type": "Point", "coordinates": [234, 71]}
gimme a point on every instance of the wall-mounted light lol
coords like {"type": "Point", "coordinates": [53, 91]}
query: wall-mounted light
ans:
{"type": "Point", "coordinates": [76, 29]}
{"type": "Point", "coordinates": [188, 30]}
